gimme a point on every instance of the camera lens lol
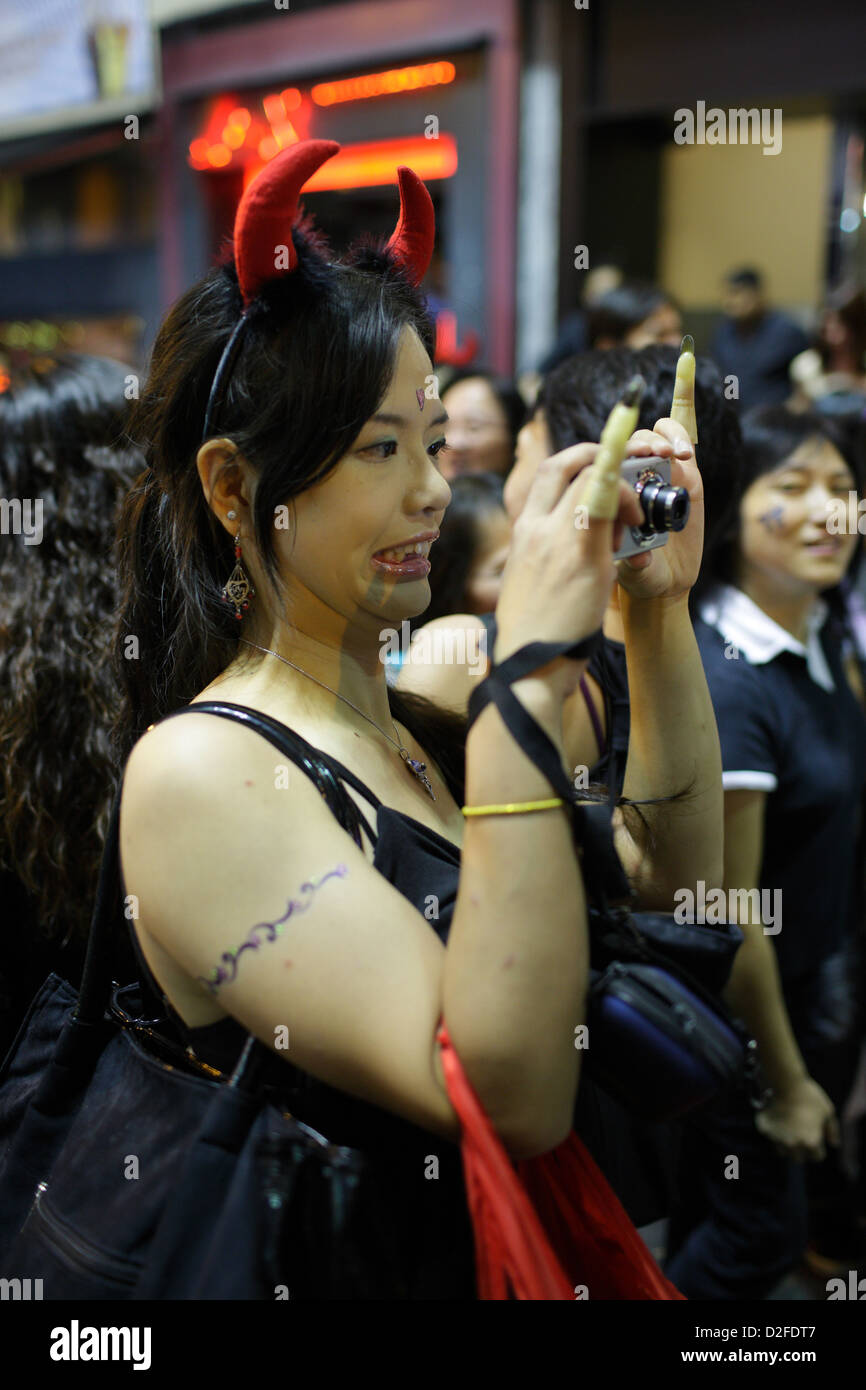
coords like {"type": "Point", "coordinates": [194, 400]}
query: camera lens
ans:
{"type": "Point", "coordinates": [665, 508]}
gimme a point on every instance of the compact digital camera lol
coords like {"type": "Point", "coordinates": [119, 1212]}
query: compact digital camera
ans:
{"type": "Point", "coordinates": [665, 508]}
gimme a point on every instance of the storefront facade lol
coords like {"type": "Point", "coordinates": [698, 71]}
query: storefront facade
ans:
{"type": "Point", "coordinates": [431, 85]}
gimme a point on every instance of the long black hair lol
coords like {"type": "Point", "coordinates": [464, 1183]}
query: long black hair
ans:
{"type": "Point", "coordinates": [316, 360]}
{"type": "Point", "coordinates": [61, 444]}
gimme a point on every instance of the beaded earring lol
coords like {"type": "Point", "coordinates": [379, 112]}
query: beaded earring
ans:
{"type": "Point", "coordinates": [237, 590]}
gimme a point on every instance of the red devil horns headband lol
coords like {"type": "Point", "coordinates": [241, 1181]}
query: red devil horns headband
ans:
{"type": "Point", "coordinates": [269, 207]}
{"type": "Point", "coordinates": [263, 228]}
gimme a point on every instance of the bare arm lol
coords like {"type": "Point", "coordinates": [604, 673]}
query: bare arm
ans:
{"type": "Point", "coordinates": [355, 972]}
{"type": "Point", "coordinates": [447, 658]}
{"type": "Point", "coordinates": [801, 1115]}
{"type": "Point", "coordinates": [673, 751]}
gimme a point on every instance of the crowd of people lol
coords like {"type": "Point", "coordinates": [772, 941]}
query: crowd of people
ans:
{"type": "Point", "coordinates": [723, 708]}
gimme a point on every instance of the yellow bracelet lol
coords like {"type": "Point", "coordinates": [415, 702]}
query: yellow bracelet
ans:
{"type": "Point", "coordinates": [511, 807]}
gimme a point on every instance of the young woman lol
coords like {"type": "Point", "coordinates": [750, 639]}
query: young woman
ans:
{"type": "Point", "coordinates": [63, 460]}
{"type": "Point", "coordinates": [793, 739]}
{"type": "Point", "coordinates": [316, 457]}
{"type": "Point", "coordinates": [485, 415]}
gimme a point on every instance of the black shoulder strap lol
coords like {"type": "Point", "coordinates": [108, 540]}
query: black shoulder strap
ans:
{"type": "Point", "coordinates": [318, 766]}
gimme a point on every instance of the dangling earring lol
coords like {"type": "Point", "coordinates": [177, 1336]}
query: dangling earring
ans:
{"type": "Point", "coordinates": [237, 590]}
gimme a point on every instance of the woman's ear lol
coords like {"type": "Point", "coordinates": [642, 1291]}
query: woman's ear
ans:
{"type": "Point", "coordinates": [222, 472]}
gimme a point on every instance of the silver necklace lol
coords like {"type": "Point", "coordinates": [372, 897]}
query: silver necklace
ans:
{"type": "Point", "coordinates": [415, 766]}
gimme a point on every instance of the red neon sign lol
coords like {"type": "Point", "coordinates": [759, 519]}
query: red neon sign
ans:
{"type": "Point", "coordinates": [236, 135]}
{"type": "Point", "coordinates": [377, 84]}
{"type": "Point", "coordinates": [375, 162]}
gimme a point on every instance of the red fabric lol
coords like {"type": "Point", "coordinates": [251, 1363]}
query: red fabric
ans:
{"type": "Point", "coordinates": [550, 1225]}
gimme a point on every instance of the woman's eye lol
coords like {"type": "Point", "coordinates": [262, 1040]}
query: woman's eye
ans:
{"type": "Point", "coordinates": [788, 487]}
{"type": "Point", "coordinates": [389, 444]}
{"type": "Point", "coordinates": [439, 447]}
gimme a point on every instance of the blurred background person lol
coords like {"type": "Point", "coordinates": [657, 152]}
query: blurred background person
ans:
{"type": "Point", "coordinates": [831, 376]}
{"type": "Point", "coordinates": [467, 560]}
{"type": "Point", "coordinates": [485, 415]}
{"type": "Point", "coordinates": [634, 315]}
{"type": "Point", "coordinates": [754, 343]}
{"type": "Point", "coordinates": [471, 551]}
{"type": "Point", "coordinates": [61, 443]}
{"type": "Point", "coordinates": [574, 331]}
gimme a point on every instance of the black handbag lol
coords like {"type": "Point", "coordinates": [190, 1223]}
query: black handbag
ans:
{"type": "Point", "coordinates": [129, 1171]}
{"type": "Point", "coordinates": [662, 1040]}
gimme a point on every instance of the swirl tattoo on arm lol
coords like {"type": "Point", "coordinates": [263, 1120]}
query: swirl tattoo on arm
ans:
{"type": "Point", "coordinates": [226, 972]}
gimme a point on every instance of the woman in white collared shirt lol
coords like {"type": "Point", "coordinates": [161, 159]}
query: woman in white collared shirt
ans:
{"type": "Point", "coordinates": [793, 739]}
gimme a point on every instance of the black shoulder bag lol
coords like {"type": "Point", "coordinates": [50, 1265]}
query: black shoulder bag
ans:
{"type": "Point", "coordinates": [130, 1171]}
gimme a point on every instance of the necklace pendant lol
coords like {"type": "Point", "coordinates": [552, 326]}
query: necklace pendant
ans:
{"type": "Point", "coordinates": [420, 771]}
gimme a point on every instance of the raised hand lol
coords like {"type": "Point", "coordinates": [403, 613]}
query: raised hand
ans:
{"type": "Point", "coordinates": [671, 570]}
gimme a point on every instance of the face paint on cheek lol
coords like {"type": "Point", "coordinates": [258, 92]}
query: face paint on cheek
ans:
{"type": "Point", "coordinates": [772, 520]}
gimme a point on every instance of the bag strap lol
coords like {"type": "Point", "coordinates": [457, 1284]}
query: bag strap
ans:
{"type": "Point", "coordinates": [95, 994]}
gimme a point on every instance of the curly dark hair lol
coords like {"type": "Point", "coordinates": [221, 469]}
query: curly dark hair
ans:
{"type": "Point", "coordinates": [61, 446]}
{"type": "Point", "coordinates": [316, 360]}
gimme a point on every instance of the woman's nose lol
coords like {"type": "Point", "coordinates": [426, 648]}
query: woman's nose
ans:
{"type": "Point", "coordinates": [818, 502]}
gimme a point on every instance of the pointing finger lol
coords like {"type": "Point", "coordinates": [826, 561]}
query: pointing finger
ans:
{"type": "Point", "coordinates": [683, 407]}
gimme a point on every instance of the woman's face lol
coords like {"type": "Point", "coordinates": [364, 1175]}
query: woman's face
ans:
{"type": "Point", "coordinates": [479, 440]}
{"type": "Point", "coordinates": [533, 445]}
{"type": "Point", "coordinates": [485, 577]}
{"type": "Point", "coordinates": [784, 540]}
{"type": "Point", "coordinates": [384, 492]}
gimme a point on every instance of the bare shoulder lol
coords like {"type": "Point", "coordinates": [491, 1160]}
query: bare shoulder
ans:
{"type": "Point", "coordinates": [207, 794]}
{"type": "Point", "coordinates": [446, 659]}
{"type": "Point", "coordinates": [253, 900]}
{"type": "Point", "coordinates": [185, 762]}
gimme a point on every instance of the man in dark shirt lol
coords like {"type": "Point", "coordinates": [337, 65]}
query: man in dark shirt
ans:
{"type": "Point", "coordinates": [755, 343]}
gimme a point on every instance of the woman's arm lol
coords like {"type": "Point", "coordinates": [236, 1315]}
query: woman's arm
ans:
{"type": "Point", "coordinates": [673, 750]}
{"type": "Point", "coordinates": [247, 881]}
{"type": "Point", "coordinates": [673, 742]}
{"type": "Point", "coordinates": [801, 1115]}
